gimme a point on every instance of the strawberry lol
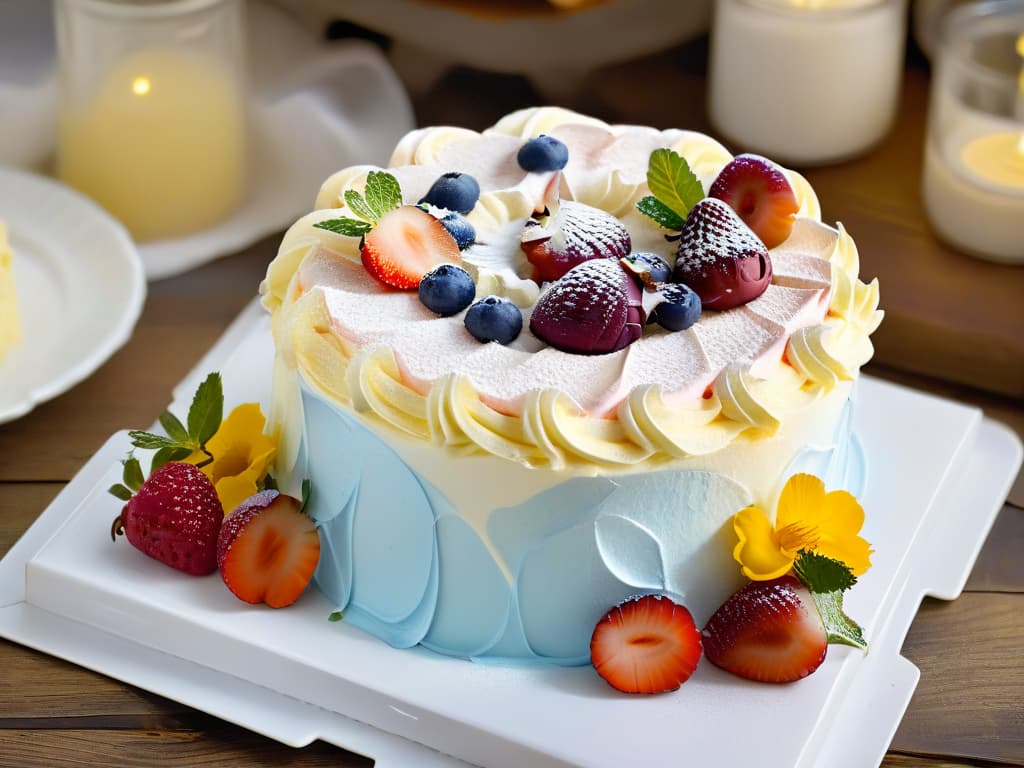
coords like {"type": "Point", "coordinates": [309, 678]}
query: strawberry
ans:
{"type": "Point", "coordinates": [768, 631]}
{"type": "Point", "coordinates": [405, 244]}
{"type": "Point", "coordinates": [595, 308]}
{"type": "Point", "coordinates": [760, 193]}
{"type": "Point", "coordinates": [720, 258]}
{"type": "Point", "coordinates": [268, 549]}
{"type": "Point", "coordinates": [646, 644]}
{"type": "Point", "coordinates": [575, 233]}
{"type": "Point", "coordinates": [175, 518]}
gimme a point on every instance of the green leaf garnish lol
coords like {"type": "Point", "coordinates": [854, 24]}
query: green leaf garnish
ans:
{"type": "Point", "coordinates": [168, 454]}
{"type": "Point", "coordinates": [132, 475]}
{"type": "Point", "coordinates": [336, 616]}
{"type": "Point", "coordinates": [672, 182]}
{"type": "Point", "coordinates": [345, 226]}
{"type": "Point", "coordinates": [123, 493]}
{"type": "Point", "coordinates": [148, 441]}
{"type": "Point", "coordinates": [827, 579]}
{"type": "Point", "coordinates": [207, 409]}
{"type": "Point", "coordinates": [382, 193]}
{"type": "Point", "coordinates": [307, 491]}
{"type": "Point", "coordinates": [652, 207]}
{"type": "Point", "coordinates": [359, 207]}
{"type": "Point", "coordinates": [173, 426]}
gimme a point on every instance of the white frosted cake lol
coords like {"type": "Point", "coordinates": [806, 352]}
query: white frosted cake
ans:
{"type": "Point", "coordinates": [493, 500]}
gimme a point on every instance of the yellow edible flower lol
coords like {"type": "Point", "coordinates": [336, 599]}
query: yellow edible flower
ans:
{"type": "Point", "coordinates": [806, 518]}
{"type": "Point", "coordinates": [241, 454]}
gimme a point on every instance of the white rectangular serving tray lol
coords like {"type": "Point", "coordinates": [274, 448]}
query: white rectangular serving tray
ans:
{"type": "Point", "coordinates": [939, 475]}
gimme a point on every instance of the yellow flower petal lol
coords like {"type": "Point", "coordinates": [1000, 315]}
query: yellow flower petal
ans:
{"type": "Point", "coordinates": [758, 551]}
{"type": "Point", "coordinates": [852, 550]}
{"type": "Point", "coordinates": [800, 500]}
{"type": "Point", "coordinates": [841, 515]}
{"type": "Point", "coordinates": [242, 426]}
{"type": "Point", "coordinates": [233, 490]}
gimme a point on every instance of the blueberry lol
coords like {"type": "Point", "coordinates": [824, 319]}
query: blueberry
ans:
{"type": "Point", "coordinates": [544, 153]}
{"type": "Point", "coordinates": [679, 309]}
{"type": "Point", "coordinates": [458, 226]}
{"type": "Point", "coordinates": [494, 319]}
{"type": "Point", "coordinates": [660, 271]}
{"type": "Point", "coordinates": [453, 191]}
{"type": "Point", "coordinates": [447, 289]}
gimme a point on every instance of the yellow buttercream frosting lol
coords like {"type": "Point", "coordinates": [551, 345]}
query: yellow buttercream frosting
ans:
{"type": "Point", "coordinates": [10, 319]}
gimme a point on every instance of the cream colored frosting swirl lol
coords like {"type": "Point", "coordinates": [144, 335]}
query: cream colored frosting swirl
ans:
{"type": "Point", "coordinates": [734, 375]}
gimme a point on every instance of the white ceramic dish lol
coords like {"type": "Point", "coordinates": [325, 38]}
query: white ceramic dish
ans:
{"type": "Point", "coordinates": [67, 590]}
{"type": "Point", "coordinates": [80, 287]}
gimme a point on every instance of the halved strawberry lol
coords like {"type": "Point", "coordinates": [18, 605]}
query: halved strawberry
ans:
{"type": "Point", "coordinates": [768, 631]}
{"type": "Point", "coordinates": [646, 644]}
{"type": "Point", "coordinates": [760, 193]}
{"type": "Point", "coordinates": [406, 244]}
{"type": "Point", "coordinates": [268, 549]}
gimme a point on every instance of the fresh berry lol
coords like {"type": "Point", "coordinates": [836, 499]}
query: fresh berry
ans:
{"type": "Point", "coordinates": [595, 308]}
{"type": "Point", "coordinates": [447, 289]}
{"type": "Point", "coordinates": [458, 226]}
{"type": "Point", "coordinates": [679, 307]}
{"type": "Point", "coordinates": [720, 257]}
{"type": "Point", "coordinates": [544, 153]}
{"type": "Point", "coordinates": [268, 549]}
{"type": "Point", "coordinates": [646, 644]}
{"type": "Point", "coordinates": [768, 631]}
{"type": "Point", "coordinates": [494, 319]}
{"type": "Point", "coordinates": [576, 233]}
{"type": "Point", "coordinates": [407, 243]}
{"type": "Point", "coordinates": [656, 267]}
{"type": "Point", "coordinates": [760, 193]}
{"type": "Point", "coordinates": [453, 191]}
{"type": "Point", "coordinates": [174, 518]}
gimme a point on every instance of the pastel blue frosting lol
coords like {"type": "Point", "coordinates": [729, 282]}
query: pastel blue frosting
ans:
{"type": "Point", "coordinates": [402, 564]}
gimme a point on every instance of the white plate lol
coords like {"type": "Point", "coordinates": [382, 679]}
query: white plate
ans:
{"type": "Point", "coordinates": [67, 590]}
{"type": "Point", "coordinates": [80, 288]}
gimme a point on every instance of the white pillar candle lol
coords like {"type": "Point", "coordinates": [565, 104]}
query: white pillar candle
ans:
{"type": "Point", "coordinates": [806, 81]}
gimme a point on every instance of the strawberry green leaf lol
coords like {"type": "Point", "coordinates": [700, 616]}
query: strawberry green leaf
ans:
{"type": "Point", "coordinates": [168, 454]}
{"type": "Point", "coordinates": [173, 426]}
{"type": "Point", "coordinates": [653, 208]}
{"type": "Point", "coordinates": [359, 207]}
{"type": "Point", "coordinates": [268, 483]}
{"type": "Point", "coordinates": [823, 574]}
{"type": "Point", "coordinates": [120, 491]}
{"type": "Point", "coordinates": [207, 409]}
{"type": "Point", "coordinates": [149, 441]}
{"type": "Point", "coordinates": [307, 491]}
{"type": "Point", "coordinates": [671, 181]}
{"type": "Point", "coordinates": [839, 627]}
{"type": "Point", "coordinates": [382, 193]}
{"type": "Point", "coordinates": [345, 226]}
{"type": "Point", "coordinates": [336, 616]}
{"type": "Point", "coordinates": [132, 474]}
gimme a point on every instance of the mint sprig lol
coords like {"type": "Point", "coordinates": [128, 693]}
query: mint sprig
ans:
{"type": "Point", "coordinates": [204, 418]}
{"type": "Point", "coordinates": [675, 189]}
{"type": "Point", "coordinates": [131, 479]}
{"type": "Point", "coordinates": [381, 195]}
{"type": "Point", "coordinates": [827, 579]}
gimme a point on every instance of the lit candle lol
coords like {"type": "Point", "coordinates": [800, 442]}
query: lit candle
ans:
{"type": "Point", "coordinates": [974, 157]}
{"type": "Point", "coordinates": [161, 145]}
{"type": "Point", "coordinates": [806, 81]}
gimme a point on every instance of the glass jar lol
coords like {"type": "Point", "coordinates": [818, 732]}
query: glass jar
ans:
{"type": "Point", "coordinates": [153, 110]}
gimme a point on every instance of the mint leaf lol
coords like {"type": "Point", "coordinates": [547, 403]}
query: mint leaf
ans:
{"type": "Point", "coordinates": [345, 226]}
{"type": "Point", "coordinates": [336, 616]}
{"type": "Point", "coordinates": [173, 426]}
{"type": "Point", "coordinates": [132, 474]}
{"type": "Point", "coordinates": [149, 441]}
{"type": "Point", "coordinates": [207, 409]}
{"type": "Point", "coordinates": [124, 494]}
{"type": "Point", "coordinates": [652, 207]}
{"type": "Point", "coordinates": [671, 181]}
{"type": "Point", "coordinates": [168, 454]}
{"type": "Point", "coordinates": [839, 627]}
{"type": "Point", "coordinates": [823, 574]}
{"type": "Point", "coordinates": [382, 193]}
{"type": "Point", "coordinates": [359, 207]}
{"type": "Point", "coordinates": [307, 491]}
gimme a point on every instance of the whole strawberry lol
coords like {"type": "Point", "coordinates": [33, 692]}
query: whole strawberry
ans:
{"type": "Point", "coordinates": [175, 518]}
{"type": "Point", "coordinates": [575, 234]}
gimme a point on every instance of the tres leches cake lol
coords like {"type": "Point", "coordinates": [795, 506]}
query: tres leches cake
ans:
{"type": "Point", "coordinates": [534, 372]}
{"type": "Point", "coordinates": [10, 320]}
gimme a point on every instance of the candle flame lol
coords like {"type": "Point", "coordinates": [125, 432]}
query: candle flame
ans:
{"type": "Point", "coordinates": [141, 86]}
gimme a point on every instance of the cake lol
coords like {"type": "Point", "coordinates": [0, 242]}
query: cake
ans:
{"type": "Point", "coordinates": [493, 500]}
{"type": "Point", "coordinates": [10, 321]}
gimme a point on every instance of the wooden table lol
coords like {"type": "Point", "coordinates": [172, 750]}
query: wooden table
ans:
{"type": "Point", "coordinates": [948, 317]}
